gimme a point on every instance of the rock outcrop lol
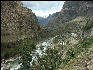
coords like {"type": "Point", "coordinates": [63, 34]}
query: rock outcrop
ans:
{"type": "Point", "coordinates": [72, 10]}
{"type": "Point", "coordinates": [17, 22]}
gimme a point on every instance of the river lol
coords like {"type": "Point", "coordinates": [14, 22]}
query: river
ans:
{"type": "Point", "coordinates": [14, 65]}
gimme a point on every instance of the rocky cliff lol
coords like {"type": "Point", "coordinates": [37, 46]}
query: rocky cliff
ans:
{"type": "Point", "coordinates": [71, 10]}
{"type": "Point", "coordinates": [17, 22]}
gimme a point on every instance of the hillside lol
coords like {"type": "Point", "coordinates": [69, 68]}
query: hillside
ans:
{"type": "Point", "coordinates": [71, 10]}
{"type": "Point", "coordinates": [62, 41]}
{"type": "Point", "coordinates": [17, 22]}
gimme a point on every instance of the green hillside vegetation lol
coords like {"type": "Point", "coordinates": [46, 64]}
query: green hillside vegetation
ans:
{"type": "Point", "coordinates": [63, 57]}
{"type": "Point", "coordinates": [76, 25]}
{"type": "Point", "coordinates": [13, 49]}
{"type": "Point", "coordinates": [71, 29]}
{"type": "Point", "coordinates": [17, 24]}
{"type": "Point", "coordinates": [53, 58]}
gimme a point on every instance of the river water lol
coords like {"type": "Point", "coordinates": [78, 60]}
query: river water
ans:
{"type": "Point", "coordinates": [14, 65]}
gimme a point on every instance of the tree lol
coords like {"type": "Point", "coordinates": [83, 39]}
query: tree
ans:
{"type": "Point", "coordinates": [49, 61]}
{"type": "Point", "coordinates": [25, 54]}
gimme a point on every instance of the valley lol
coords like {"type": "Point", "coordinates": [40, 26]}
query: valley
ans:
{"type": "Point", "coordinates": [61, 41]}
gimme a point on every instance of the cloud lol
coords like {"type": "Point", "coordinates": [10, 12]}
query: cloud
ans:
{"type": "Point", "coordinates": [44, 8]}
{"type": "Point", "coordinates": [45, 13]}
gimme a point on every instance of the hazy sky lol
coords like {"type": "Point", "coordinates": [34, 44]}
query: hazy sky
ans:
{"type": "Point", "coordinates": [44, 8]}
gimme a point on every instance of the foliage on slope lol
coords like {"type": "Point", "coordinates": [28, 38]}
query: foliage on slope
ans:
{"type": "Point", "coordinates": [76, 53]}
{"type": "Point", "coordinates": [17, 24]}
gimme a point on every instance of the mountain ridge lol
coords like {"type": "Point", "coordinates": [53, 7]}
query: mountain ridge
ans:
{"type": "Point", "coordinates": [71, 10]}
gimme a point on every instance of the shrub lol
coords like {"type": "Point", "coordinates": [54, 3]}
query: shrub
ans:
{"type": "Point", "coordinates": [25, 54]}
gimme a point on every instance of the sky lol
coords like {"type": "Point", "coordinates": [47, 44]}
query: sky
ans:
{"type": "Point", "coordinates": [44, 8]}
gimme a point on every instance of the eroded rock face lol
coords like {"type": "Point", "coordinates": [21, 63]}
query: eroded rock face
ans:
{"type": "Point", "coordinates": [71, 10]}
{"type": "Point", "coordinates": [17, 21]}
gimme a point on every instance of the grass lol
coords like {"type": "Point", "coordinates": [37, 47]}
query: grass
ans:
{"type": "Point", "coordinates": [10, 50]}
{"type": "Point", "coordinates": [71, 55]}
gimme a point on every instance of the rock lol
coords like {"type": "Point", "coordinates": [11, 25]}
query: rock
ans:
{"type": "Point", "coordinates": [17, 21]}
{"type": "Point", "coordinates": [70, 11]}
{"type": "Point", "coordinates": [90, 65]}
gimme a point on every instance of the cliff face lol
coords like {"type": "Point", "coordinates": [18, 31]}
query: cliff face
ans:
{"type": "Point", "coordinates": [17, 22]}
{"type": "Point", "coordinates": [71, 10]}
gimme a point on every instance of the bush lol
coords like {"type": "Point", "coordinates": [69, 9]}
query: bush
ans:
{"type": "Point", "coordinates": [49, 61]}
{"type": "Point", "coordinates": [82, 46]}
{"type": "Point", "coordinates": [25, 53]}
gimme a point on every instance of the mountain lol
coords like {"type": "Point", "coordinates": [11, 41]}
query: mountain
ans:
{"type": "Point", "coordinates": [71, 10]}
{"type": "Point", "coordinates": [17, 22]}
{"type": "Point", "coordinates": [69, 37]}
{"type": "Point", "coordinates": [44, 21]}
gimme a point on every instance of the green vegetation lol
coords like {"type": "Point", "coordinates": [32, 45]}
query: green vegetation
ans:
{"type": "Point", "coordinates": [12, 49]}
{"type": "Point", "coordinates": [49, 61]}
{"type": "Point", "coordinates": [25, 54]}
{"type": "Point", "coordinates": [75, 50]}
{"type": "Point", "coordinates": [89, 24]}
{"type": "Point", "coordinates": [58, 39]}
{"type": "Point", "coordinates": [20, 32]}
{"type": "Point", "coordinates": [9, 50]}
{"type": "Point", "coordinates": [55, 41]}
